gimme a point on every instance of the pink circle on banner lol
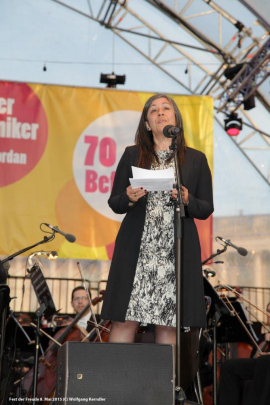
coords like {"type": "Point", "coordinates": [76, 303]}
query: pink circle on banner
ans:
{"type": "Point", "coordinates": [23, 131]}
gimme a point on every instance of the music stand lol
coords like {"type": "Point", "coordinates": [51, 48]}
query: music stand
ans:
{"type": "Point", "coordinates": [218, 312]}
{"type": "Point", "coordinates": [47, 308]}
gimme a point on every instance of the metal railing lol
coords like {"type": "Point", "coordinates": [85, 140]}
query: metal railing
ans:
{"type": "Point", "coordinates": [23, 298]}
{"type": "Point", "coordinates": [61, 289]}
{"type": "Point", "coordinates": [258, 296]}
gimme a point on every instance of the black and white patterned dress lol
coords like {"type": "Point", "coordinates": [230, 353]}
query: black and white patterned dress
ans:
{"type": "Point", "coordinates": [153, 297]}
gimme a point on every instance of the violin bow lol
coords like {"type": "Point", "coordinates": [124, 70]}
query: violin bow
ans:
{"type": "Point", "coordinates": [68, 329]}
{"type": "Point", "coordinates": [88, 336]}
{"type": "Point", "coordinates": [99, 326]}
{"type": "Point", "coordinates": [227, 287]}
{"type": "Point", "coordinates": [90, 301]}
{"type": "Point", "coordinates": [243, 325]}
{"type": "Point", "coordinates": [257, 319]}
{"type": "Point", "coordinates": [46, 334]}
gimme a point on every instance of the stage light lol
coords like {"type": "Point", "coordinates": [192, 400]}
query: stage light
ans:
{"type": "Point", "coordinates": [249, 103]}
{"type": "Point", "coordinates": [233, 124]}
{"type": "Point", "coordinates": [230, 73]}
{"type": "Point", "coordinates": [111, 79]}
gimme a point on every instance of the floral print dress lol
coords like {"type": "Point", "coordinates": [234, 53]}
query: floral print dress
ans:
{"type": "Point", "coordinates": [153, 297]}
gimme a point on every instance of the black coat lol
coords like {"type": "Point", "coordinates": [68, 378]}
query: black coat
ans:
{"type": "Point", "coordinates": [196, 177]}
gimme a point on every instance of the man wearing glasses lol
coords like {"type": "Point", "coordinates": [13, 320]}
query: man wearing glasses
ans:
{"type": "Point", "coordinates": [79, 300]}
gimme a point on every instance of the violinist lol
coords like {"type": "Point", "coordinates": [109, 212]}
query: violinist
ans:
{"type": "Point", "coordinates": [79, 300]}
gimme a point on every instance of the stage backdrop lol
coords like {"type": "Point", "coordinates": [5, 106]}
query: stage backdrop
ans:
{"type": "Point", "coordinates": [59, 148]}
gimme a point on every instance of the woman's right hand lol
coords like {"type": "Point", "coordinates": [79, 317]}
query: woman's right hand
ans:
{"type": "Point", "coordinates": [134, 194]}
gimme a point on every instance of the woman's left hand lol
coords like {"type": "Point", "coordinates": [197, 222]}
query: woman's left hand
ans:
{"type": "Point", "coordinates": [184, 194]}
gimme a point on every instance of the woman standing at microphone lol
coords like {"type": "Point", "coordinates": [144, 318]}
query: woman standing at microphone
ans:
{"type": "Point", "coordinates": [141, 286]}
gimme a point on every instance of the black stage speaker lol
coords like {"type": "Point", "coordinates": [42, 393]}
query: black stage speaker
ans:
{"type": "Point", "coordinates": [115, 374]}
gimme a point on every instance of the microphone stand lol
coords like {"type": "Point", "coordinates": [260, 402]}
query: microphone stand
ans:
{"type": "Point", "coordinates": [179, 213]}
{"type": "Point", "coordinates": [39, 311]}
{"type": "Point", "coordinates": [45, 240]}
{"type": "Point", "coordinates": [218, 252]}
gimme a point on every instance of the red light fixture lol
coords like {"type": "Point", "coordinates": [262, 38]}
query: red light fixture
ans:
{"type": "Point", "coordinates": [233, 124]}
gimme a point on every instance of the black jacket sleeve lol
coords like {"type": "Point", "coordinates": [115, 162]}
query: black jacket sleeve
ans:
{"type": "Point", "coordinates": [201, 204]}
{"type": "Point", "coordinates": [118, 200]}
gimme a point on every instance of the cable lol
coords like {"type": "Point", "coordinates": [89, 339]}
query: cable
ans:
{"type": "Point", "coordinates": [104, 63]}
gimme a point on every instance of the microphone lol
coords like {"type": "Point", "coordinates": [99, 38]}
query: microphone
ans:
{"type": "Point", "coordinates": [242, 251]}
{"type": "Point", "coordinates": [170, 131]}
{"type": "Point", "coordinates": [69, 237]}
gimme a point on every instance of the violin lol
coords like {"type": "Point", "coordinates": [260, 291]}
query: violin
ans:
{"type": "Point", "coordinates": [104, 332]}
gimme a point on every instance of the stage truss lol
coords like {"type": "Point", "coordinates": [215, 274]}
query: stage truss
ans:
{"type": "Point", "coordinates": [205, 51]}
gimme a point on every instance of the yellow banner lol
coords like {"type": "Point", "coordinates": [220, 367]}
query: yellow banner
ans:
{"type": "Point", "coordinates": [59, 148]}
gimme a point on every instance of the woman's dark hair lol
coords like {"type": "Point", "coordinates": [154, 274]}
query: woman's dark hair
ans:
{"type": "Point", "coordinates": [145, 141]}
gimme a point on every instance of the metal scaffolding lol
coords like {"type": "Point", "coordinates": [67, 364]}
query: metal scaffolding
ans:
{"type": "Point", "coordinates": [242, 48]}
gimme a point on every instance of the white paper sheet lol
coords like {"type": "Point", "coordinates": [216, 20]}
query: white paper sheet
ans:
{"type": "Point", "coordinates": [152, 180]}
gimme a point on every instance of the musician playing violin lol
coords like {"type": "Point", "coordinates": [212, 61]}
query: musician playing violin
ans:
{"type": "Point", "coordinates": [79, 300]}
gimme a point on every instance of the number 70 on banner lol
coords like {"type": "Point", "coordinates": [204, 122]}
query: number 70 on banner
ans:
{"type": "Point", "coordinates": [106, 150]}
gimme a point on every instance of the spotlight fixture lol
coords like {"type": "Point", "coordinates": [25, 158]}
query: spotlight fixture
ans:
{"type": "Point", "coordinates": [230, 73]}
{"type": "Point", "coordinates": [249, 103]}
{"type": "Point", "coordinates": [233, 124]}
{"type": "Point", "coordinates": [111, 79]}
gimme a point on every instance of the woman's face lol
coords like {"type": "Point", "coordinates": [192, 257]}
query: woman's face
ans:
{"type": "Point", "coordinates": [160, 114]}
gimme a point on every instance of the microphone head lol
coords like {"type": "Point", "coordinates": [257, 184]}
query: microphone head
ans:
{"type": "Point", "coordinates": [242, 251]}
{"type": "Point", "coordinates": [166, 131]}
{"type": "Point", "coordinates": [70, 238]}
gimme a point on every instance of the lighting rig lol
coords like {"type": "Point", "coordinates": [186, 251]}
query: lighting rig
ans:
{"type": "Point", "coordinates": [111, 79]}
{"type": "Point", "coordinates": [233, 124]}
{"type": "Point", "coordinates": [243, 80]}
